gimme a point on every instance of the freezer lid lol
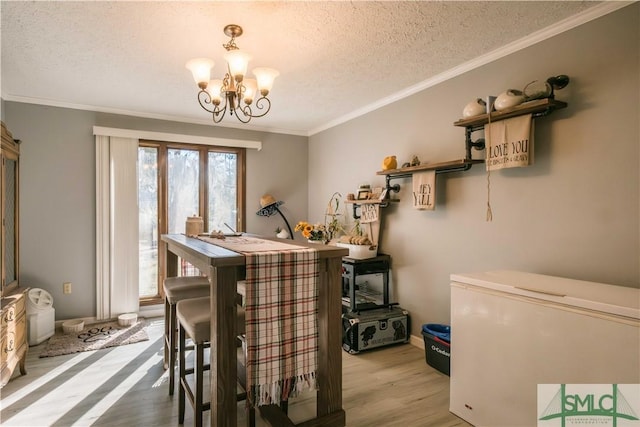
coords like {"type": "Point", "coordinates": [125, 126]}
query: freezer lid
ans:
{"type": "Point", "coordinates": [612, 299]}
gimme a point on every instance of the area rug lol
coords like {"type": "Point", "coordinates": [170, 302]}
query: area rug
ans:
{"type": "Point", "coordinates": [95, 337]}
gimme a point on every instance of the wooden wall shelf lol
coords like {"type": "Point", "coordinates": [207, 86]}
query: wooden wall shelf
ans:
{"type": "Point", "coordinates": [459, 165]}
{"type": "Point", "coordinates": [538, 107]}
{"type": "Point", "coordinates": [441, 167]}
{"type": "Point", "coordinates": [365, 202]}
{"type": "Point", "coordinates": [357, 203]}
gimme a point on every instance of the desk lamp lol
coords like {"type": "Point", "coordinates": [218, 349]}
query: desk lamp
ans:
{"type": "Point", "coordinates": [269, 206]}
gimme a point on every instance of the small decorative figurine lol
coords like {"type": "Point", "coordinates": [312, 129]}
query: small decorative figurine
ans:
{"type": "Point", "coordinates": [415, 161]}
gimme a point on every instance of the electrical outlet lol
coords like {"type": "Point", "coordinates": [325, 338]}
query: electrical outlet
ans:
{"type": "Point", "coordinates": [66, 287]}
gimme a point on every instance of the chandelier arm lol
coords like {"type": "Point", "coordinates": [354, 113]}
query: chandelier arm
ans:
{"type": "Point", "coordinates": [243, 113]}
{"type": "Point", "coordinates": [204, 98]}
{"type": "Point", "coordinates": [260, 107]}
{"type": "Point", "coordinates": [218, 114]}
{"type": "Point", "coordinates": [206, 102]}
{"type": "Point", "coordinates": [244, 117]}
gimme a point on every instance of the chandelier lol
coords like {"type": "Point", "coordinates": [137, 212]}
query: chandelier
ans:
{"type": "Point", "coordinates": [234, 92]}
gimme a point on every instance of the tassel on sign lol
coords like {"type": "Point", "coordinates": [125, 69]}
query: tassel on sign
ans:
{"type": "Point", "coordinates": [488, 144]}
{"type": "Point", "coordinates": [489, 213]}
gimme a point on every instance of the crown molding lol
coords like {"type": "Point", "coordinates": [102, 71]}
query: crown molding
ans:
{"type": "Point", "coordinates": [145, 115]}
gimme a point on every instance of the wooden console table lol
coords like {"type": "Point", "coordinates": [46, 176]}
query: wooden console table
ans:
{"type": "Point", "coordinates": [224, 268]}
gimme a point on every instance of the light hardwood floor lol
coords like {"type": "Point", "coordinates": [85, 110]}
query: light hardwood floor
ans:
{"type": "Point", "coordinates": [127, 386]}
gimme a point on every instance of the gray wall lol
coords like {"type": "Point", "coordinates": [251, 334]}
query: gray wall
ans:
{"type": "Point", "coordinates": [574, 213]}
{"type": "Point", "coordinates": [57, 192]}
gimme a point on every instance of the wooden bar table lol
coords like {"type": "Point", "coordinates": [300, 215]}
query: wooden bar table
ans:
{"type": "Point", "coordinates": [224, 268]}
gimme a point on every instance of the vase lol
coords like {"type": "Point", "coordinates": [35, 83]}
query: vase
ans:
{"type": "Point", "coordinates": [508, 99]}
{"type": "Point", "coordinates": [474, 108]}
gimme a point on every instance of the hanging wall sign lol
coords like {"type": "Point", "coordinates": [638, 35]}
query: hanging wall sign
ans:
{"type": "Point", "coordinates": [509, 143]}
{"type": "Point", "coordinates": [369, 213]}
{"type": "Point", "coordinates": [424, 190]}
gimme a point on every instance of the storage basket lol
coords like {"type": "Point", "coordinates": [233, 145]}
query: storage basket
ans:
{"type": "Point", "coordinates": [360, 251]}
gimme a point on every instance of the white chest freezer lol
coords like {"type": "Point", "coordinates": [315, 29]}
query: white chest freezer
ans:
{"type": "Point", "coordinates": [511, 331]}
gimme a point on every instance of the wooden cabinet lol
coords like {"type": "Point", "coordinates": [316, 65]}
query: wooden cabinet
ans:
{"type": "Point", "coordinates": [13, 334]}
{"type": "Point", "coordinates": [9, 211]}
{"type": "Point", "coordinates": [13, 327]}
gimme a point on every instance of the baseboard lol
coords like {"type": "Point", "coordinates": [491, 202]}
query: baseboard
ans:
{"type": "Point", "coordinates": [146, 311]}
{"type": "Point", "coordinates": [86, 320]}
{"type": "Point", "coordinates": [416, 342]}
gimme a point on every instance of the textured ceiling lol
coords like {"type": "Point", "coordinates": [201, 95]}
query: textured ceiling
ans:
{"type": "Point", "coordinates": [335, 58]}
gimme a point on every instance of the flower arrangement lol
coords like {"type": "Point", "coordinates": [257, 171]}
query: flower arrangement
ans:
{"type": "Point", "coordinates": [316, 232]}
{"type": "Point", "coordinates": [332, 221]}
{"type": "Point", "coordinates": [332, 226]}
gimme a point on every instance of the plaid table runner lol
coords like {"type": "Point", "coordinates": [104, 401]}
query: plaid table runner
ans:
{"type": "Point", "coordinates": [281, 324]}
{"type": "Point", "coordinates": [281, 308]}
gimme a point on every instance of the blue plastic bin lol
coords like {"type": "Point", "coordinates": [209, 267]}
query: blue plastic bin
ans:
{"type": "Point", "coordinates": [437, 346]}
{"type": "Point", "coordinates": [437, 330]}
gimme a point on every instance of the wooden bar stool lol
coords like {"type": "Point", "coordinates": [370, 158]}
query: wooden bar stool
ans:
{"type": "Point", "coordinates": [194, 321]}
{"type": "Point", "coordinates": [177, 289]}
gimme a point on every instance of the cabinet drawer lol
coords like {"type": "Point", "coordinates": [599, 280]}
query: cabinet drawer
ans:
{"type": "Point", "coordinates": [13, 339]}
{"type": "Point", "coordinates": [12, 312]}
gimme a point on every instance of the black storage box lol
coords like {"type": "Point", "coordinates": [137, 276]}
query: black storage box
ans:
{"type": "Point", "coordinates": [437, 352]}
{"type": "Point", "coordinates": [374, 328]}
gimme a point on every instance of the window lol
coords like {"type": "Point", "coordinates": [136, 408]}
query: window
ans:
{"type": "Point", "coordinates": [176, 181]}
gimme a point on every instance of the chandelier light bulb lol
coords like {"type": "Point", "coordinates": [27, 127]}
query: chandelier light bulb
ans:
{"type": "Point", "coordinates": [215, 91]}
{"type": "Point", "coordinates": [250, 90]}
{"type": "Point", "coordinates": [238, 62]}
{"type": "Point", "coordinates": [201, 70]}
{"type": "Point", "coordinates": [265, 77]}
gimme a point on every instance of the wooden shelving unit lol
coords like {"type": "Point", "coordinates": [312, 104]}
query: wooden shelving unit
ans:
{"type": "Point", "coordinates": [537, 108]}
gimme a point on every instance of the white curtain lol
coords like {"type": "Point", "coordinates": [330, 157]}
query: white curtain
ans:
{"type": "Point", "coordinates": [116, 226]}
{"type": "Point", "coordinates": [117, 212]}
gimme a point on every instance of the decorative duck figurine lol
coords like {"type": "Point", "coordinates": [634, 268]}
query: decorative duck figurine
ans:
{"type": "Point", "coordinates": [389, 163]}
